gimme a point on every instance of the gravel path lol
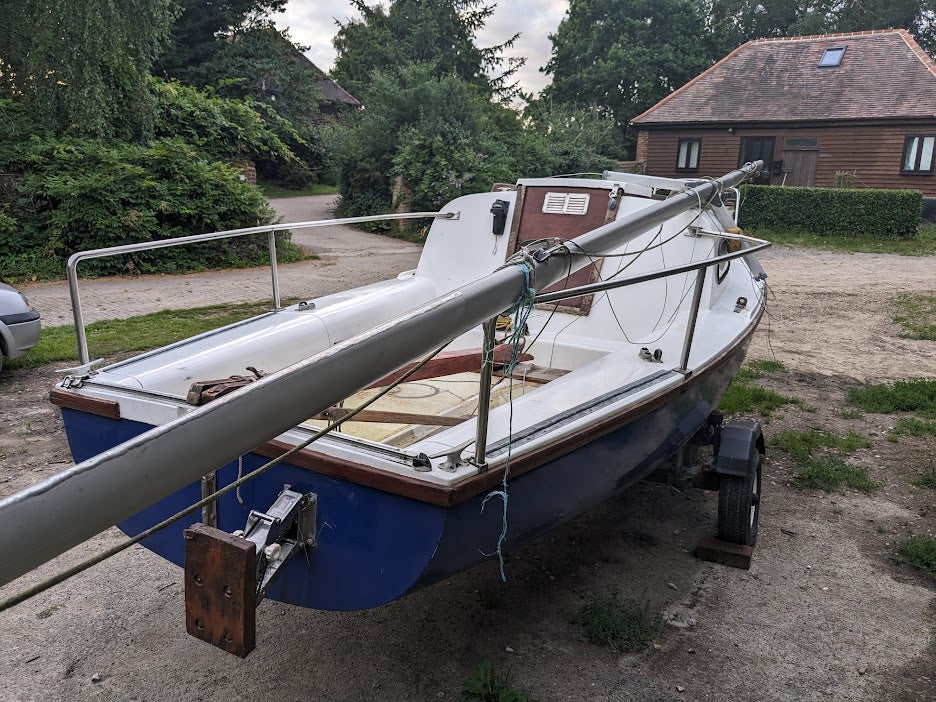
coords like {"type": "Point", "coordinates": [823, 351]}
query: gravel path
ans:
{"type": "Point", "coordinates": [348, 258]}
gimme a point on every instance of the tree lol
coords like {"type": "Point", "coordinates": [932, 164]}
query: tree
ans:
{"type": "Point", "coordinates": [623, 56]}
{"type": "Point", "coordinates": [81, 66]}
{"type": "Point", "coordinates": [438, 33]}
{"type": "Point", "coordinates": [200, 30]}
{"type": "Point", "coordinates": [735, 21]}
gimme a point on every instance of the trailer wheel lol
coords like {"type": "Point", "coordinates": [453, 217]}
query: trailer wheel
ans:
{"type": "Point", "coordinates": [739, 504]}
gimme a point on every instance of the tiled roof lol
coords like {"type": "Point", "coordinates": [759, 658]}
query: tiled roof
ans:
{"type": "Point", "coordinates": [883, 74]}
{"type": "Point", "coordinates": [333, 92]}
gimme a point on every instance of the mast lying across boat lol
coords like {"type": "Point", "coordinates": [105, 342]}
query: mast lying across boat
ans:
{"type": "Point", "coordinates": [50, 517]}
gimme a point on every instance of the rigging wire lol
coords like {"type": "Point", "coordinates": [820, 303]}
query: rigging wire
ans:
{"type": "Point", "coordinates": [82, 566]}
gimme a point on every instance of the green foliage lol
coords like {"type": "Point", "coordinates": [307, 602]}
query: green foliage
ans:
{"type": "Point", "coordinates": [201, 31]}
{"type": "Point", "coordinates": [623, 56]}
{"type": "Point", "coordinates": [886, 214]}
{"type": "Point", "coordinates": [920, 552]}
{"type": "Point", "coordinates": [80, 67]}
{"type": "Point", "coordinates": [78, 194]}
{"type": "Point", "coordinates": [122, 337]}
{"type": "Point", "coordinates": [224, 129]}
{"type": "Point", "coordinates": [437, 134]}
{"type": "Point", "coordinates": [486, 685]}
{"type": "Point", "coordinates": [903, 396]}
{"type": "Point", "coordinates": [409, 32]}
{"type": "Point", "coordinates": [828, 471]}
{"type": "Point", "coordinates": [621, 624]}
{"type": "Point", "coordinates": [916, 312]}
{"type": "Point", "coordinates": [801, 444]}
{"type": "Point", "coordinates": [757, 365]}
{"type": "Point", "coordinates": [743, 396]}
{"type": "Point", "coordinates": [733, 22]}
{"type": "Point", "coordinates": [923, 244]}
{"type": "Point", "coordinates": [926, 479]}
{"type": "Point", "coordinates": [911, 426]}
{"type": "Point", "coordinates": [272, 189]}
{"type": "Point", "coordinates": [574, 140]}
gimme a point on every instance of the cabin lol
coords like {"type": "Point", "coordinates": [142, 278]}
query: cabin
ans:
{"type": "Point", "coordinates": [835, 110]}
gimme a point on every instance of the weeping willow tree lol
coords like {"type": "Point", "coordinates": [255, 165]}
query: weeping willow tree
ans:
{"type": "Point", "coordinates": [80, 66]}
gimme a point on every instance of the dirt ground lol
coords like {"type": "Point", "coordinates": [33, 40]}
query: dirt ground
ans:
{"type": "Point", "coordinates": [825, 613]}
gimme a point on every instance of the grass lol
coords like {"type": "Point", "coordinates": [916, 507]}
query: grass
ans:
{"type": "Point", "coordinates": [911, 426]}
{"type": "Point", "coordinates": [829, 471]}
{"type": "Point", "coordinates": [848, 413]}
{"type": "Point", "coordinates": [923, 244]}
{"type": "Point", "coordinates": [271, 189]}
{"type": "Point", "coordinates": [920, 552]}
{"type": "Point", "coordinates": [802, 444]}
{"type": "Point", "coordinates": [926, 479]}
{"type": "Point", "coordinates": [916, 313]}
{"type": "Point", "coordinates": [621, 624]}
{"type": "Point", "coordinates": [743, 396]}
{"type": "Point", "coordinates": [125, 336]}
{"type": "Point", "coordinates": [485, 685]}
{"type": "Point", "coordinates": [903, 396]}
{"type": "Point", "coordinates": [765, 366]}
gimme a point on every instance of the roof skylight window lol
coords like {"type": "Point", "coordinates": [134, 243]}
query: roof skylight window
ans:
{"type": "Point", "coordinates": [832, 57]}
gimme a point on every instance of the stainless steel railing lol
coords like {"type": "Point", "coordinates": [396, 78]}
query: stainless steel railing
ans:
{"type": "Point", "coordinates": [268, 229]}
{"type": "Point", "coordinates": [700, 267]}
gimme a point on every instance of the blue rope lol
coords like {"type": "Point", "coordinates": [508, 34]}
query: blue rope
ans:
{"type": "Point", "coordinates": [521, 313]}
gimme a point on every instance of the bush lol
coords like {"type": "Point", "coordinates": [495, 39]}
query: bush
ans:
{"type": "Point", "coordinates": [228, 128]}
{"type": "Point", "coordinates": [887, 214]}
{"type": "Point", "coordinates": [78, 194]}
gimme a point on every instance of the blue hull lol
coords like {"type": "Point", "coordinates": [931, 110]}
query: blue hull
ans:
{"type": "Point", "coordinates": [376, 546]}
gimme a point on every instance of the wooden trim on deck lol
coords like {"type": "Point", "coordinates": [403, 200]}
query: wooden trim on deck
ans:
{"type": "Point", "coordinates": [82, 403]}
{"type": "Point", "coordinates": [445, 495]}
{"type": "Point", "coordinates": [357, 473]}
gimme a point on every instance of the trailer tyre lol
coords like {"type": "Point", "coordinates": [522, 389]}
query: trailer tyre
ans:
{"type": "Point", "coordinates": [739, 504]}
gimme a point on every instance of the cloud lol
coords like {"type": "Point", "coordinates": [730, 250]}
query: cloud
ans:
{"type": "Point", "coordinates": [313, 24]}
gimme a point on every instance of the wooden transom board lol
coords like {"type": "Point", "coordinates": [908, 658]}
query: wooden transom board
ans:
{"type": "Point", "coordinates": [531, 223]}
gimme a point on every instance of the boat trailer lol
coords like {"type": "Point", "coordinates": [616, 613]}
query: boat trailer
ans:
{"type": "Point", "coordinates": [733, 470]}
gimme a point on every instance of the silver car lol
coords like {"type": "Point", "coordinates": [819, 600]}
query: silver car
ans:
{"type": "Point", "coordinates": [19, 324]}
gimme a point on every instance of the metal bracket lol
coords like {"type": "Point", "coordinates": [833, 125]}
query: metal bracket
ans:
{"type": "Point", "coordinates": [288, 525]}
{"type": "Point", "coordinates": [227, 575]}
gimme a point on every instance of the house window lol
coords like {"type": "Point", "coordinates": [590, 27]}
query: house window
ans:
{"type": "Point", "coordinates": [832, 57]}
{"type": "Point", "coordinates": [918, 154]}
{"type": "Point", "coordinates": [687, 154]}
{"type": "Point", "coordinates": [800, 143]}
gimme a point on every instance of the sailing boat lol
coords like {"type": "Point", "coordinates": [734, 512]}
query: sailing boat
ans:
{"type": "Point", "coordinates": [588, 329]}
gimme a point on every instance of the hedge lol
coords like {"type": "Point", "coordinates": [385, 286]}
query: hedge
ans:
{"type": "Point", "coordinates": [886, 214]}
{"type": "Point", "coordinates": [77, 194]}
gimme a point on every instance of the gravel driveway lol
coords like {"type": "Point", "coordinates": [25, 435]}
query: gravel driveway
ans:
{"type": "Point", "coordinates": [348, 258]}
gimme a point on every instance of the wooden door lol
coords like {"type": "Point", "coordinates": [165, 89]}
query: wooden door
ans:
{"type": "Point", "coordinates": [758, 149]}
{"type": "Point", "coordinates": [799, 168]}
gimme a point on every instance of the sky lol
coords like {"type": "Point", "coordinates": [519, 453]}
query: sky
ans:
{"type": "Point", "coordinates": [312, 23]}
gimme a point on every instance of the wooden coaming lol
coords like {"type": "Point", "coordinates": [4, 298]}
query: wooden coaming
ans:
{"type": "Point", "coordinates": [82, 403]}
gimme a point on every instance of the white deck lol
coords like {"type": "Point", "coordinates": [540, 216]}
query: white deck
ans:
{"type": "Point", "coordinates": [600, 349]}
